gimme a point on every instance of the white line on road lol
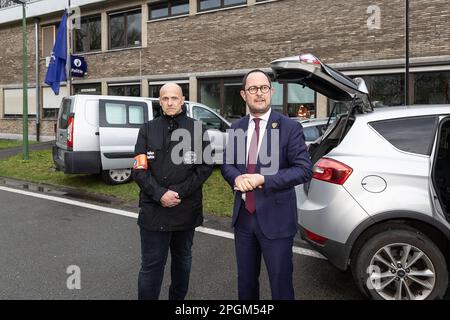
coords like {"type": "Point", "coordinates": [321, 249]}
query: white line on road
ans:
{"type": "Point", "coordinates": [223, 234]}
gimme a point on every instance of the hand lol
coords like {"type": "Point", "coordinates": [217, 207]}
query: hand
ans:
{"type": "Point", "coordinates": [248, 182]}
{"type": "Point", "coordinates": [242, 184]}
{"type": "Point", "coordinates": [257, 180]}
{"type": "Point", "coordinates": [170, 199]}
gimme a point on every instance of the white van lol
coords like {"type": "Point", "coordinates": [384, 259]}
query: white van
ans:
{"type": "Point", "coordinates": [97, 134]}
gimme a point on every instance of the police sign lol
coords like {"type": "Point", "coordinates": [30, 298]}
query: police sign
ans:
{"type": "Point", "coordinates": [79, 66]}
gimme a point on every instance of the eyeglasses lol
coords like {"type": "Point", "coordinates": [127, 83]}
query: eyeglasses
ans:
{"type": "Point", "coordinates": [254, 89]}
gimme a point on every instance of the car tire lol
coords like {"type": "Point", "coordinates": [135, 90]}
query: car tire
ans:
{"type": "Point", "coordinates": [117, 176]}
{"type": "Point", "coordinates": [426, 278]}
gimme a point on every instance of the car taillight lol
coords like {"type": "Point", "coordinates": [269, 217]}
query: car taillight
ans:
{"type": "Point", "coordinates": [331, 171]}
{"type": "Point", "coordinates": [315, 237]}
{"type": "Point", "coordinates": [309, 58]}
{"type": "Point", "coordinates": [70, 122]}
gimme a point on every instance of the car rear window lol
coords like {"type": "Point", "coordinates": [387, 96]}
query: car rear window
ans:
{"type": "Point", "coordinates": [415, 135]}
{"type": "Point", "coordinates": [65, 112]}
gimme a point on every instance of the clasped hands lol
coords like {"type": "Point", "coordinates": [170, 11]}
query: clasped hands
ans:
{"type": "Point", "coordinates": [248, 182]}
{"type": "Point", "coordinates": [170, 199]}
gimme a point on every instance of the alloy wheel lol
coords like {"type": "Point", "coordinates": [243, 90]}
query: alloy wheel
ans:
{"type": "Point", "coordinates": [401, 271]}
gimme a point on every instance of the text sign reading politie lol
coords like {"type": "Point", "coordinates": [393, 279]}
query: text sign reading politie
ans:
{"type": "Point", "coordinates": [79, 66]}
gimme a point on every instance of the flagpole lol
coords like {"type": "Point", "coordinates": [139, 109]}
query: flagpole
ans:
{"type": "Point", "coordinates": [69, 50]}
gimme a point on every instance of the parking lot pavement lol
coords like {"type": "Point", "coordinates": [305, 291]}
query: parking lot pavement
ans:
{"type": "Point", "coordinates": [41, 239]}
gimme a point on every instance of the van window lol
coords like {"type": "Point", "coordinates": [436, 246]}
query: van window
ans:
{"type": "Point", "coordinates": [415, 135]}
{"type": "Point", "coordinates": [65, 112]}
{"type": "Point", "coordinates": [207, 117]}
{"type": "Point", "coordinates": [136, 114]}
{"type": "Point", "coordinates": [116, 113]}
{"type": "Point", "coordinates": [120, 113]}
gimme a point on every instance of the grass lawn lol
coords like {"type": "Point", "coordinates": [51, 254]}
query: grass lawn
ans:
{"type": "Point", "coordinates": [217, 195]}
{"type": "Point", "coordinates": [5, 144]}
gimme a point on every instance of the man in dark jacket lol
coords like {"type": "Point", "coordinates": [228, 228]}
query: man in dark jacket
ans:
{"type": "Point", "coordinates": [170, 179]}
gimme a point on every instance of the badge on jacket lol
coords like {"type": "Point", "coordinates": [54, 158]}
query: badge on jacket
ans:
{"type": "Point", "coordinates": [151, 155]}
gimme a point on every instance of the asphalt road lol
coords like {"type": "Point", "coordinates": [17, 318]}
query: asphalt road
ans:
{"type": "Point", "coordinates": [41, 239]}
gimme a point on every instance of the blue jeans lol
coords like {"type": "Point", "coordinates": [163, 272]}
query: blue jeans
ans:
{"type": "Point", "coordinates": [155, 247]}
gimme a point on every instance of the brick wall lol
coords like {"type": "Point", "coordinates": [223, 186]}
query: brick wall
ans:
{"type": "Point", "coordinates": [250, 37]}
{"type": "Point", "coordinates": [11, 53]}
{"type": "Point", "coordinates": [253, 36]}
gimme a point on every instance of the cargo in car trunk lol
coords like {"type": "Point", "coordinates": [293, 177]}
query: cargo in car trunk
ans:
{"type": "Point", "coordinates": [441, 172]}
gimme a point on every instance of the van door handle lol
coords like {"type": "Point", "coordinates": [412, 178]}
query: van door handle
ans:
{"type": "Point", "coordinates": [97, 133]}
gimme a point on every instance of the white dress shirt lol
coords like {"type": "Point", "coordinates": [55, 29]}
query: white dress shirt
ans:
{"type": "Point", "coordinates": [251, 129]}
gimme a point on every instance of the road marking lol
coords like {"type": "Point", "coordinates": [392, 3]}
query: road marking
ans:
{"type": "Point", "coordinates": [72, 202]}
{"type": "Point", "coordinates": [218, 233]}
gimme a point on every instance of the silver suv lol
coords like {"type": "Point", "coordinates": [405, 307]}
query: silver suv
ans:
{"type": "Point", "coordinates": [379, 200]}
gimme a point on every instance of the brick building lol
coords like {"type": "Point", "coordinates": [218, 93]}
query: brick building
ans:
{"type": "Point", "coordinates": [133, 47]}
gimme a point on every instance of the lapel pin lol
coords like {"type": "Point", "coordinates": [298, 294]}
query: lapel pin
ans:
{"type": "Point", "coordinates": [274, 125]}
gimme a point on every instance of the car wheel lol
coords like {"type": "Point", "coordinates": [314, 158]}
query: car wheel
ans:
{"type": "Point", "coordinates": [401, 264]}
{"type": "Point", "coordinates": [116, 176]}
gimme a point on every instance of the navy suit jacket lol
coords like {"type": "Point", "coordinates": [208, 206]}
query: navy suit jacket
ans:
{"type": "Point", "coordinates": [276, 205]}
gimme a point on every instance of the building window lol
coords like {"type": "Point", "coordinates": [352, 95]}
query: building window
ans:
{"type": "Point", "coordinates": [48, 40]}
{"type": "Point", "coordinates": [432, 88]}
{"type": "Point", "coordinates": [300, 101]}
{"type": "Point", "coordinates": [125, 29]}
{"type": "Point", "coordinates": [168, 9]}
{"type": "Point", "coordinates": [89, 89]}
{"type": "Point", "coordinates": [386, 90]}
{"type": "Point", "coordinates": [205, 5]}
{"type": "Point", "coordinates": [294, 100]}
{"type": "Point", "coordinates": [129, 89]}
{"type": "Point", "coordinates": [156, 86]}
{"type": "Point", "coordinates": [223, 96]}
{"type": "Point", "coordinates": [13, 102]}
{"type": "Point", "coordinates": [88, 38]}
{"type": "Point", "coordinates": [52, 102]}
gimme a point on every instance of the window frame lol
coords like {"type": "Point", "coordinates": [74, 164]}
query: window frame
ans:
{"type": "Point", "coordinates": [54, 27]}
{"type": "Point", "coordinates": [88, 19]}
{"type": "Point", "coordinates": [125, 14]}
{"type": "Point", "coordinates": [221, 6]}
{"type": "Point", "coordinates": [167, 4]}
{"type": "Point", "coordinates": [128, 103]}
{"type": "Point", "coordinates": [126, 85]}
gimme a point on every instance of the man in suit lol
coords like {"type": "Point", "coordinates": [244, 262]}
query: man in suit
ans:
{"type": "Point", "coordinates": [265, 213]}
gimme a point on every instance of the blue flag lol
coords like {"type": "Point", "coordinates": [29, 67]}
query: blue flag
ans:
{"type": "Point", "coordinates": [57, 68]}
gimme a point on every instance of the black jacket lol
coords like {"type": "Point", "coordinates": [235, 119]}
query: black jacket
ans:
{"type": "Point", "coordinates": [163, 174]}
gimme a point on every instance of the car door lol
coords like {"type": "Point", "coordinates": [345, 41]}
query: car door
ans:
{"type": "Point", "coordinates": [216, 127]}
{"type": "Point", "coordinates": [119, 124]}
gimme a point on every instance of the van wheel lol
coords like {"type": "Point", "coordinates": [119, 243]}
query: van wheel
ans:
{"type": "Point", "coordinates": [116, 176]}
{"type": "Point", "coordinates": [401, 264]}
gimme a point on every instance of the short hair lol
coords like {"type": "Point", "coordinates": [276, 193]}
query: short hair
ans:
{"type": "Point", "coordinates": [244, 81]}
